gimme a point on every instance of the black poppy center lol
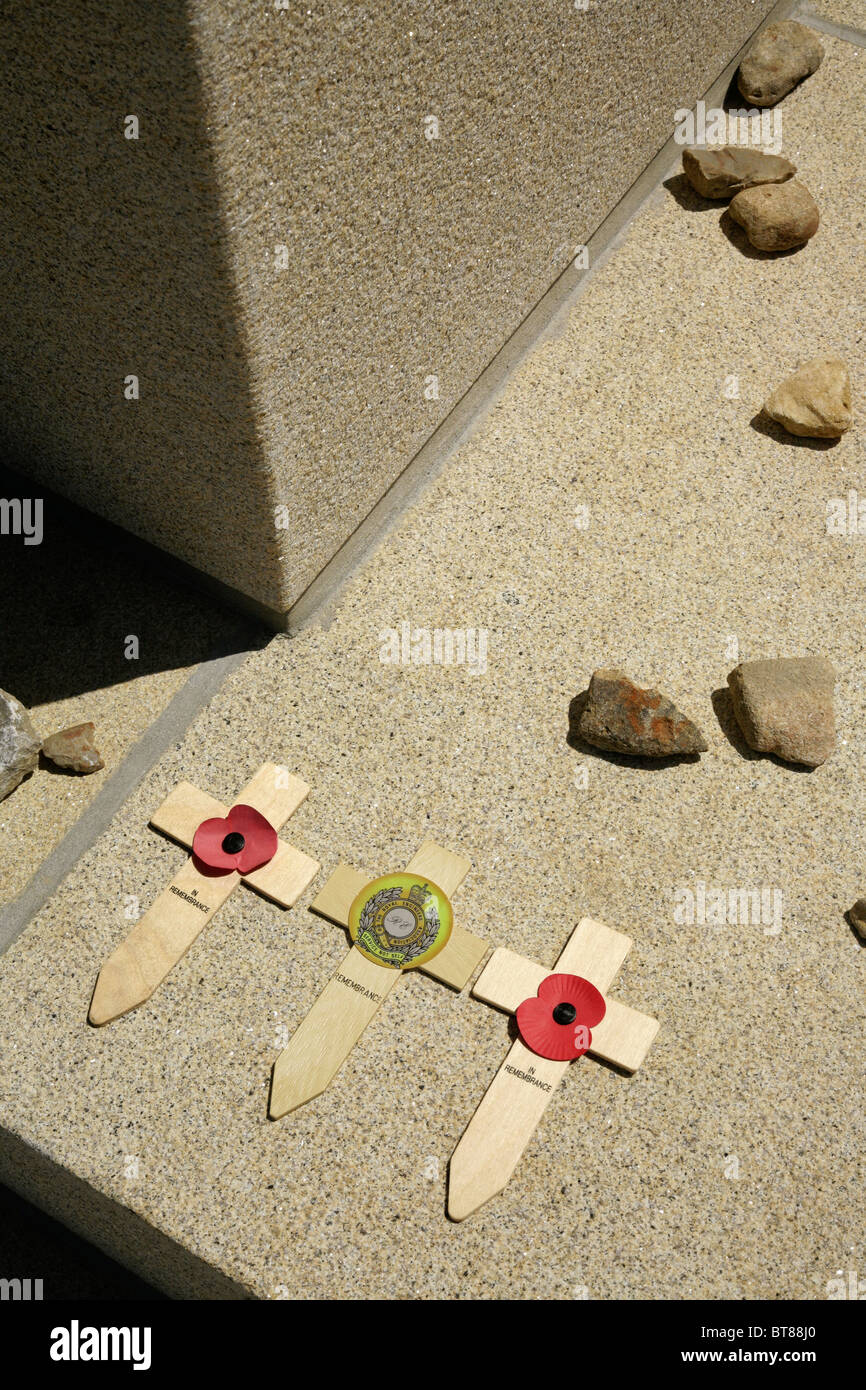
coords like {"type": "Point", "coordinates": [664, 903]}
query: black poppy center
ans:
{"type": "Point", "coordinates": [233, 842]}
{"type": "Point", "coordinates": [564, 1013]}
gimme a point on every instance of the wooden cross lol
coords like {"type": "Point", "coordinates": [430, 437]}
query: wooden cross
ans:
{"type": "Point", "coordinates": [323, 1041]}
{"type": "Point", "coordinates": [167, 930]}
{"type": "Point", "coordinates": [521, 1090]}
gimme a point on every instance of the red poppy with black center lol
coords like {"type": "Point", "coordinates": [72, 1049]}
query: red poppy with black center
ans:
{"type": "Point", "coordinates": [243, 841]}
{"type": "Point", "coordinates": [557, 1023]}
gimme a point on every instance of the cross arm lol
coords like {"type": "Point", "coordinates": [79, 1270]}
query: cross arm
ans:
{"type": "Point", "coordinates": [446, 868]}
{"type": "Point", "coordinates": [507, 979]}
{"type": "Point", "coordinates": [335, 897]}
{"type": "Point", "coordinates": [183, 811]}
{"type": "Point", "coordinates": [594, 951]}
{"type": "Point", "coordinates": [273, 792]}
{"type": "Point", "coordinates": [624, 1036]}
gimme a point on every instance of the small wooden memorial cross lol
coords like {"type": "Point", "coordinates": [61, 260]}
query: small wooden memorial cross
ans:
{"type": "Point", "coordinates": [167, 930]}
{"type": "Point", "coordinates": [519, 1093]}
{"type": "Point", "coordinates": [324, 1039]}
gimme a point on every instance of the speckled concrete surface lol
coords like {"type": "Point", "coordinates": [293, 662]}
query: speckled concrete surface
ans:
{"type": "Point", "coordinates": [732, 1164]}
{"type": "Point", "coordinates": [407, 258]}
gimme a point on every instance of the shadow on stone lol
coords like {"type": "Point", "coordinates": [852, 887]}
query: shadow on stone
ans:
{"type": "Point", "coordinates": [681, 190]}
{"type": "Point", "coordinates": [46, 765]}
{"type": "Point", "coordinates": [116, 263]}
{"type": "Point", "coordinates": [116, 1230]}
{"type": "Point", "coordinates": [762, 424]}
{"type": "Point", "coordinates": [70, 1268]}
{"type": "Point", "coordinates": [733, 100]}
{"type": "Point", "coordinates": [574, 740]}
{"type": "Point", "coordinates": [723, 707]}
{"type": "Point", "coordinates": [71, 603]}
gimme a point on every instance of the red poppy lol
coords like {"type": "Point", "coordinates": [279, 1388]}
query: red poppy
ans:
{"type": "Point", "coordinates": [557, 1023]}
{"type": "Point", "coordinates": [243, 841]}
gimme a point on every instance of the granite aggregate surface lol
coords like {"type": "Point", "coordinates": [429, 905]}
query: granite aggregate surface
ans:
{"type": "Point", "coordinates": [620, 506]}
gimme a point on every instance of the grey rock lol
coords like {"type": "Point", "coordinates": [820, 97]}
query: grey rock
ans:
{"type": "Point", "coordinates": [723, 171]}
{"type": "Point", "coordinates": [785, 706]}
{"type": "Point", "coordinates": [779, 58]}
{"type": "Point", "coordinates": [19, 744]}
{"type": "Point", "coordinates": [776, 216]}
{"type": "Point", "coordinates": [621, 718]}
{"type": "Point", "coordinates": [815, 401]}
{"type": "Point", "coordinates": [74, 748]}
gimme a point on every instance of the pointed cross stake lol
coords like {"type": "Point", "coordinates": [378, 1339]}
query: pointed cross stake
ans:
{"type": "Point", "coordinates": [165, 933]}
{"type": "Point", "coordinates": [324, 1039]}
{"type": "Point", "coordinates": [519, 1093]}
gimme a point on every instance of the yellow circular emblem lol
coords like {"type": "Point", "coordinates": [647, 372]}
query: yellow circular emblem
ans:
{"type": "Point", "coordinates": [401, 921]}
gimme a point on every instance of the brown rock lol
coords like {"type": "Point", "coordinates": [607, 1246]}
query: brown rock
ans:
{"type": "Point", "coordinates": [621, 718]}
{"type": "Point", "coordinates": [815, 401]}
{"type": "Point", "coordinates": [857, 917]}
{"type": "Point", "coordinates": [779, 58]}
{"type": "Point", "coordinates": [74, 748]}
{"type": "Point", "coordinates": [776, 216]}
{"type": "Point", "coordinates": [19, 744]}
{"type": "Point", "coordinates": [722, 171]}
{"type": "Point", "coordinates": [785, 706]}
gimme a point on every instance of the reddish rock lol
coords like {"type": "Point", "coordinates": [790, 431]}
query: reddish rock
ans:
{"type": "Point", "coordinates": [621, 718]}
{"type": "Point", "coordinates": [74, 748]}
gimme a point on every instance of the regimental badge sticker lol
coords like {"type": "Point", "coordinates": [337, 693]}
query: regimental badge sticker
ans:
{"type": "Point", "coordinates": [400, 921]}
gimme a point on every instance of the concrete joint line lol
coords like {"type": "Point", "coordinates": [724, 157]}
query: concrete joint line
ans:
{"type": "Point", "coordinates": [845, 32]}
